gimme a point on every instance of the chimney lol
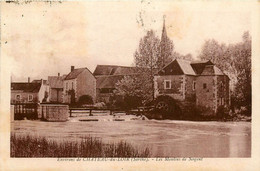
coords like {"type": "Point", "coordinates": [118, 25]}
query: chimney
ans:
{"type": "Point", "coordinates": [29, 80]}
{"type": "Point", "coordinates": [72, 68]}
{"type": "Point", "coordinates": [58, 74]}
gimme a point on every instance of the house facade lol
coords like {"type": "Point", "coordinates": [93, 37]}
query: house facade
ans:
{"type": "Point", "coordinates": [77, 83]}
{"type": "Point", "coordinates": [30, 92]}
{"type": "Point", "coordinates": [56, 88]}
{"type": "Point", "coordinates": [200, 83]}
{"type": "Point", "coordinates": [107, 76]}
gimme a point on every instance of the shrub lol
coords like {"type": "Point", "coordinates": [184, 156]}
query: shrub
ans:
{"type": "Point", "coordinates": [85, 99]}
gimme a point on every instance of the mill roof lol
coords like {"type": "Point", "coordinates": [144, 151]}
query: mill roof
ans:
{"type": "Point", "coordinates": [114, 70]}
{"type": "Point", "coordinates": [26, 87]}
{"type": "Point", "coordinates": [199, 66]}
{"type": "Point", "coordinates": [186, 67]}
{"type": "Point", "coordinates": [179, 66]}
{"type": "Point", "coordinates": [212, 70]}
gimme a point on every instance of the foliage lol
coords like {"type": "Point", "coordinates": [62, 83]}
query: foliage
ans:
{"type": "Point", "coordinates": [85, 99]}
{"type": "Point", "coordinates": [32, 146]}
{"type": "Point", "coordinates": [146, 56]}
{"type": "Point", "coordinates": [235, 61]}
{"type": "Point", "coordinates": [177, 55]}
{"type": "Point", "coordinates": [134, 91]}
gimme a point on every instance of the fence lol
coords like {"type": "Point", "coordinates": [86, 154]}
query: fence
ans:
{"type": "Point", "coordinates": [25, 110]}
{"type": "Point", "coordinates": [90, 110]}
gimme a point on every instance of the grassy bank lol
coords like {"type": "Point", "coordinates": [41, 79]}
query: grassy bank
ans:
{"type": "Point", "coordinates": [33, 146]}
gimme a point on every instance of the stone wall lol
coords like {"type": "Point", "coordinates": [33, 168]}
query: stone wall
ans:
{"type": "Point", "coordinates": [205, 94]}
{"type": "Point", "coordinates": [53, 112]}
{"type": "Point", "coordinates": [86, 85]}
{"type": "Point", "coordinates": [190, 92]}
{"type": "Point", "coordinates": [56, 95]}
{"type": "Point", "coordinates": [67, 86]}
{"type": "Point", "coordinates": [176, 90]}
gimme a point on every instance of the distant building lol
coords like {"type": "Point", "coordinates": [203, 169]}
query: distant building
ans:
{"type": "Point", "coordinates": [201, 83]}
{"type": "Point", "coordinates": [56, 88]}
{"type": "Point", "coordinates": [30, 92]}
{"type": "Point", "coordinates": [107, 76]}
{"type": "Point", "coordinates": [77, 83]}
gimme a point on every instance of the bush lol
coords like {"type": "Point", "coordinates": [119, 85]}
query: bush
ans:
{"type": "Point", "coordinates": [85, 99]}
{"type": "Point", "coordinates": [125, 103]}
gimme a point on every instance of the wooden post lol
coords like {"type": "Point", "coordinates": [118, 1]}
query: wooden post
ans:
{"type": "Point", "coordinates": [70, 112]}
{"type": "Point", "coordinates": [42, 113]}
{"type": "Point", "coordinates": [90, 114]}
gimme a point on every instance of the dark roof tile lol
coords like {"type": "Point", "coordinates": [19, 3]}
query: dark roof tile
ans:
{"type": "Point", "coordinates": [114, 70]}
{"type": "Point", "coordinates": [73, 74]}
{"type": "Point", "coordinates": [26, 87]}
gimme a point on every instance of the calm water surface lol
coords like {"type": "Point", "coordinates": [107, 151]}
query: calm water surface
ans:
{"type": "Point", "coordinates": [164, 138]}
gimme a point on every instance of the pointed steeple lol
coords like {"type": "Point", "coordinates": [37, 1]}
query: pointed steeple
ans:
{"type": "Point", "coordinates": [164, 33]}
{"type": "Point", "coordinates": [166, 47]}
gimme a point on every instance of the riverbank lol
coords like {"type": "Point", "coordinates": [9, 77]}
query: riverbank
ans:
{"type": "Point", "coordinates": [36, 146]}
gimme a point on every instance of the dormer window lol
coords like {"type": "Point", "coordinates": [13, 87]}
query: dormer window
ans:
{"type": "Point", "coordinates": [167, 84]}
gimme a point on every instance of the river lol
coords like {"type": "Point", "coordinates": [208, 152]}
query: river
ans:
{"type": "Point", "coordinates": [165, 138]}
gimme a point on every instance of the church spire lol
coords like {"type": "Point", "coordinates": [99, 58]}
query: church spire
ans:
{"type": "Point", "coordinates": [166, 47]}
{"type": "Point", "coordinates": [164, 34]}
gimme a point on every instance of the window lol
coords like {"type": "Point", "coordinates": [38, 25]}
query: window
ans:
{"type": "Point", "coordinates": [18, 97]}
{"type": "Point", "coordinates": [167, 84]}
{"type": "Point", "coordinates": [30, 97]}
{"type": "Point", "coordinates": [194, 85]}
{"type": "Point", "coordinates": [204, 85]}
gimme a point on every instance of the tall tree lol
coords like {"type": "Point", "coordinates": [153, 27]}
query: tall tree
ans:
{"type": "Point", "coordinates": [146, 58]}
{"type": "Point", "coordinates": [235, 61]}
{"type": "Point", "coordinates": [243, 64]}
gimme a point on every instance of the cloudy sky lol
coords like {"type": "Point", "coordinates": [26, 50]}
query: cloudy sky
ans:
{"type": "Point", "coordinates": [42, 39]}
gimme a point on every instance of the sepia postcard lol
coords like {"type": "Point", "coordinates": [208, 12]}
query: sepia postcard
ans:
{"type": "Point", "coordinates": [129, 85]}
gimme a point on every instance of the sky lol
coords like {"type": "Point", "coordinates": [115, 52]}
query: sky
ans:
{"type": "Point", "coordinates": [42, 39]}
